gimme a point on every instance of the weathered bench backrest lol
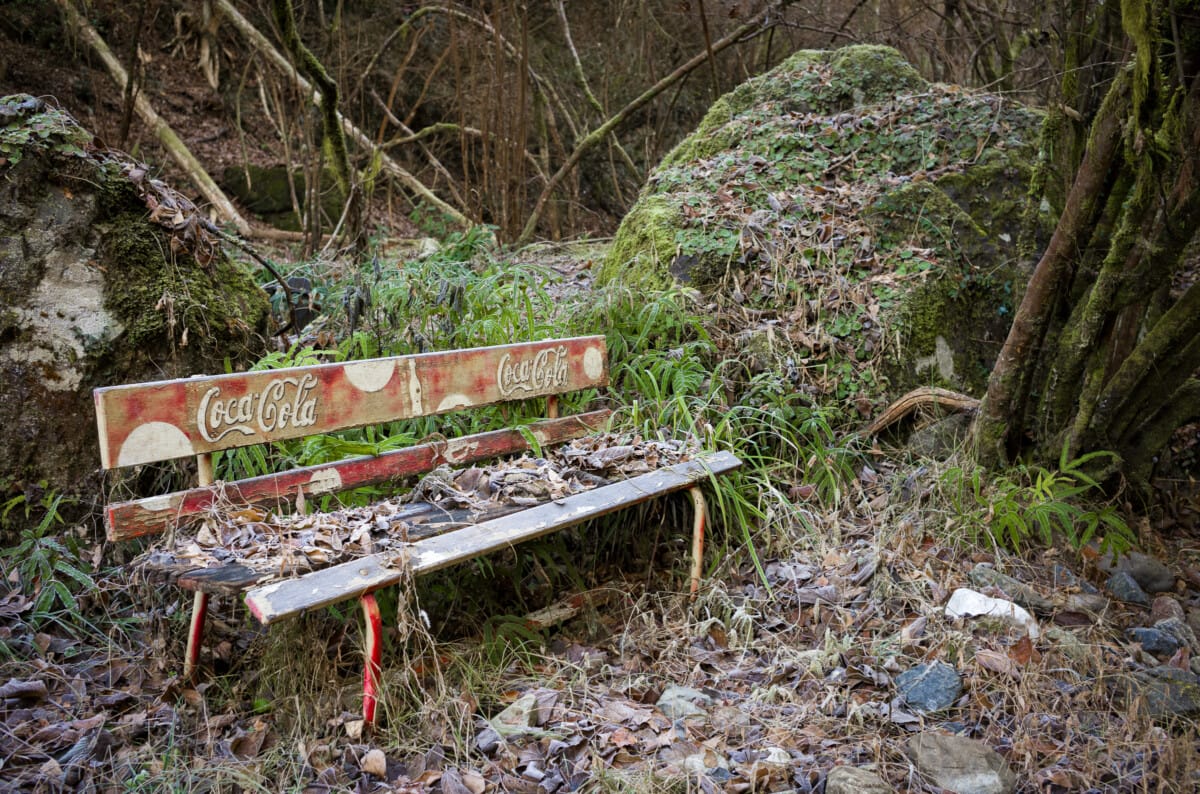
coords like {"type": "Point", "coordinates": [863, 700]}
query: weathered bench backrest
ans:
{"type": "Point", "coordinates": [149, 422]}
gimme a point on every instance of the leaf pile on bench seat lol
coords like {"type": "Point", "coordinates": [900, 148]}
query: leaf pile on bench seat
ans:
{"type": "Point", "coordinates": [273, 545]}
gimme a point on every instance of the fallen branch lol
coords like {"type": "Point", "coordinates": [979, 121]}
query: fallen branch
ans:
{"type": "Point", "coordinates": [166, 136]}
{"type": "Point", "coordinates": [919, 398]}
{"type": "Point", "coordinates": [389, 166]}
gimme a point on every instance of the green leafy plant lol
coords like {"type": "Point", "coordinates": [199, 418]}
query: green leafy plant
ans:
{"type": "Point", "coordinates": [1035, 504]}
{"type": "Point", "coordinates": [48, 568]}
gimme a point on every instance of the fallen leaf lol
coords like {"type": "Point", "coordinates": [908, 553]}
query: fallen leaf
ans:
{"type": "Point", "coordinates": [1022, 651]}
{"type": "Point", "coordinates": [474, 782]}
{"type": "Point", "coordinates": [997, 663]}
{"type": "Point", "coordinates": [622, 737]}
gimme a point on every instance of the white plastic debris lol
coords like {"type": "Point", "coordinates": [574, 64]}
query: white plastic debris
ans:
{"type": "Point", "coordinates": [967, 603]}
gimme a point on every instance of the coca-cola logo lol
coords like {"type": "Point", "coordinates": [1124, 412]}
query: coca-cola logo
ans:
{"type": "Point", "coordinates": [282, 403]}
{"type": "Point", "coordinates": [546, 370]}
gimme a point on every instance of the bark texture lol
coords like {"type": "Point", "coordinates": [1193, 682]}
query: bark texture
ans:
{"type": "Point", "coordinates": [1105, 347]}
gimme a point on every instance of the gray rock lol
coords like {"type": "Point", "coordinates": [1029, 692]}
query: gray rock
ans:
{"type": "Point", "coordinates": [855, 780]}
{"type": "Point", "coordinates": [1169, 692]}
{"type": "Point", "coordinates": [929, 687]}
{"type": "Point", "coordinates": [984, 575]}
{"type": "Point", "coordinates": [1122, 585]}
{"type": "Point", "coordinates": [521, 713]}
{"type": "Point", "coordinates": [85, 273]}
{"type": "Point", "coordinates": [1150, 574]}
{"type": "Point", "coordinates": [682, 701]}
{"type": "Point", "coordinates": [959, 764]}
{"type": "Point", "coordinates": [1155, 640]}
{"type": "Point", "coordinates": [940, 439]}
{"type": "Point", "coordinates": [1065, 577]}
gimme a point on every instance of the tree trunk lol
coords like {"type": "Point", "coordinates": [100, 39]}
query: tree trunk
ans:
{"type": "Point", "coordinates": [1092, 361]}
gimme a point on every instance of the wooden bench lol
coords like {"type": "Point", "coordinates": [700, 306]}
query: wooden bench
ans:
{"type": "Point", "coordinates": [151, 422]}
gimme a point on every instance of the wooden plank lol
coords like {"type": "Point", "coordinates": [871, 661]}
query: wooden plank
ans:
{"type": "Point", "coordinates": [132, 519]}
{"type": "Point", "coordinates": [148, 422]}
{"type": "Point", "coordinates": [277, 600]}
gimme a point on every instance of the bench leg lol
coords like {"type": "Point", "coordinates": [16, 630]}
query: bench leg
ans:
{"type": "Point", "coordinates": [701, 511]}
{"type": "Point", "coordinates": [195, 635]}
{"type": "Point", "coordinates": [373, 657]}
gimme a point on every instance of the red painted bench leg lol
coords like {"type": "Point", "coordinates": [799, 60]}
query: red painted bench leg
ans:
{"type": "Point", "coordinates": [195, 635]}
{"type": "Point", "coordinates": [374, 655]}
{"type": "Point", "coordinates": [701, 510]}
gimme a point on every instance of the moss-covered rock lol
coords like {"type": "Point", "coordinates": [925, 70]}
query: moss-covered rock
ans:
{"type": "Point", "coordinates": [95, 295]}
{"type": "Point", "coordinates": [267, 192]}
{"type": "Point", "coordinates": [859, 211]}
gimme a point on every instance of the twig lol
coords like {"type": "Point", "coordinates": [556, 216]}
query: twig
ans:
{"type": "Point", "coordinates": [601, 132]}
{"type": "Point", "coordinates": [390, 166]}
{"type": "Point", "coordinates": [249, 249]}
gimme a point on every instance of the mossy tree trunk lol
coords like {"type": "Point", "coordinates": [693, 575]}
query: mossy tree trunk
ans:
{"type": "Point", "coordinates": [1104, 350]}
{"type": "Point", "coordinates": [331, 126]}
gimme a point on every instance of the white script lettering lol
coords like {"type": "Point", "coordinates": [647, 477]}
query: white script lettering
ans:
{"type": "Point", "coordinates": [282, 403]}
{"type": "Point", "coordinates": [546, 370]}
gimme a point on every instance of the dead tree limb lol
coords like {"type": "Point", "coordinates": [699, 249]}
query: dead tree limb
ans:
{"type": "Point", "coordinates": [390, 166]}
{"type": "Point", "coordinates": [757, 24]}
{"type": "Point", "coordinates": [166, 136]}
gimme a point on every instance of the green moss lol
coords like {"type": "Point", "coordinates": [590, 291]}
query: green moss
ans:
{"type": "Point", "coordinates": [843, 184]}
{"type": "Point", "coordinates": [218, 308]}
{"type": "Point", "coordinates": [708, 139]}
{"type": "Point", "coordinates": [266, 193]}
{"type": "Point", "coordinates": [868, 74]}
{"type": "Point", "coordinates": [644, 245]}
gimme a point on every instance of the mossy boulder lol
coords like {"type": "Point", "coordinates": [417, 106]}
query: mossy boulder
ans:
{"type": "Point", "coordinates": [95, 295]}
{"type": "Point", "coordinates": [267, 192]}
{"type": "Point", "coordinates": [877, 223]}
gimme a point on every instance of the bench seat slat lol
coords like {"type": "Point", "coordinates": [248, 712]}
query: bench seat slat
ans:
{"type": "Point", "coordinates": [277, 600]}
{"type": "Point", "coordinates": [125, 520]}
{"type": "Point", "coordinates": [148, 422]}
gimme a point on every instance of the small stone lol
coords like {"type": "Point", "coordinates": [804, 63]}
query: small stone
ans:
{"type": "Point", "coordinates": [1180, 630]}
{"type": "Point", "coordinates": [1062, 576]}
{"type": "Point", "coordinates": [776, 757]}
{"type": "Point", "coordinates": [704, 762]}
{"type": "Point", "coordinates": [962, 765]}
{"type": "Point", "coordinates": [521, 713]}
{"type": "Point", "coordinates": [967, 603]}
{"type": "Point", "coordinates": [375, 763]}
{"type": "Point", "coordinates": [984, 575]}
{"type": "Point", "coordinates": [1071, 646]}
{"type": "Point", "coordinates": [855, 780]}
{"type": "Point", "coordinates": [1122, 585]}
{"type": "Point", "coordinates": [1154, 640]}
{"type": "Point", "coordinates": [682, 701]}
{"type": "Point", "coordinates": [932, 686]}
{"type": "Point", "coordinates": [1165, 607]}
{"type": "Point", "coordinates": [1150, 574]}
